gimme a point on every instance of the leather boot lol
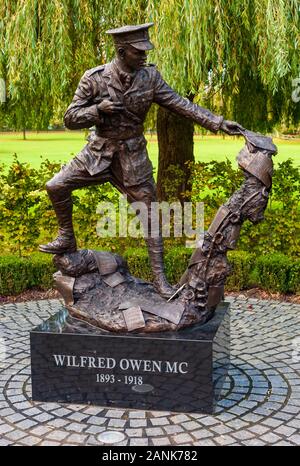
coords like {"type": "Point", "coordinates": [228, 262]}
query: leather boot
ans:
{"type": "Point", "coordinates": [65, 241]}
{"type": "Point", "coordinates": [155, 248]}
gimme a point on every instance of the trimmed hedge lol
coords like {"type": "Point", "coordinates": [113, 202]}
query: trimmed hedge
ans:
{"type": "Point", "coordinates": [242, 265]}
{"type": "Point", "coordinates": [277, 272]}
{"type": "Point", "coordinates": [294, 277]}
{"type": "Point", "coordinates": [18, 274]}
{"type": "Point", "coordinates": [138, 263]}
{"type": "Point", "coordinates": [272, 272]}
{"type": "Point", "coordinates": [176, 261]}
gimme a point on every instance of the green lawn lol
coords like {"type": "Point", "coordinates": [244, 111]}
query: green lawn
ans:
{"type": "Point", "coordinates": [62, 146]}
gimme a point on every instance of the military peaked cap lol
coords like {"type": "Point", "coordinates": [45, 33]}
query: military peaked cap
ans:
{"type": "Point", "coordinates": [137, 36]}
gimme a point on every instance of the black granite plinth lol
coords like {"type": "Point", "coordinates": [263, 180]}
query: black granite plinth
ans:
{"type": "Point", "coordinates": [182, 371]}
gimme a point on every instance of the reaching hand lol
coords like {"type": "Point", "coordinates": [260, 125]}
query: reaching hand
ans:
{"type": "Point", "coordinates": [108, 106]}
{"type": "Point", "coordinates": [231, 127]}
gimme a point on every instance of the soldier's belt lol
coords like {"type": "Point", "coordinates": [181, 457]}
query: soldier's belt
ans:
{"type": "Point", "coordinates": [119, 135]}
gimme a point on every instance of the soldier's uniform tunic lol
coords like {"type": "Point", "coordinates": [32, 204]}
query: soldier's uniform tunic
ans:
{"type": "Point", "coordinates": [116, 150]}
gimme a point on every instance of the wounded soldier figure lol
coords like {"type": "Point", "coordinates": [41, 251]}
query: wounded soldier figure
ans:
{"type": "Point", "coordinates": [115, 98]}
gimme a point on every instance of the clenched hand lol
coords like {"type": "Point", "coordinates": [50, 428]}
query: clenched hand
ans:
{"type": "Point", "coordinates": [108, 106]}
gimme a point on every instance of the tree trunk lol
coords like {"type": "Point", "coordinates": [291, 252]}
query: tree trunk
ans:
{"type": "Point", "coordinates": [175, 148]}
{"type": "Point", "coordinates": [24, 134]}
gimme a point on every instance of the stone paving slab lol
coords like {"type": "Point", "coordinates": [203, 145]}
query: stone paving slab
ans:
{"type": "Point", "coordinates": [260, 403]}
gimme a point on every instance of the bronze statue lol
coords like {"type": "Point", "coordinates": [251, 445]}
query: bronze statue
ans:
{"type": "Point", "coordinates": [98, 288]}
{"type": "Point", "coordinates": [116, 98]}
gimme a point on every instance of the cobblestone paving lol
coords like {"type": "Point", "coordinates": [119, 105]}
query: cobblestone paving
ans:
{"type": "Point", "coordinates": [260, 404]}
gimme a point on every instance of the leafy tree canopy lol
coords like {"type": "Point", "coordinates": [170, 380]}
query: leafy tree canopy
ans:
{"type": "Point", "coordinates": [238, 57]}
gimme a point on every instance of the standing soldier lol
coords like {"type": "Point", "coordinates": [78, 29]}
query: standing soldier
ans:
{"type": "Point", "coordinates": [116, 98]}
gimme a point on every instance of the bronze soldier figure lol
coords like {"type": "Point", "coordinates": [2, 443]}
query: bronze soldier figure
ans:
{"type": "Point", "coordinates": [115, 98]}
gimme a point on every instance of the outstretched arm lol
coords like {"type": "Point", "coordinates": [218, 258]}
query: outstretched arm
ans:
{"type": "Point", "coordinates": [165, 96]}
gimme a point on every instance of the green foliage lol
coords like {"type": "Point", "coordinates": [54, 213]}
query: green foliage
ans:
{"type": "Point", "coordinates": [273, 272]}
{"type": "Point", "coordinates": [214, 182]}
{"type": "Point", "coordinates": [276, 272]}
{"type": "Point", "coordinates": [281, 229]}
{"type": "Point", "coordinates": [19, 274]}
{"type": "Point", "coordinates": [226, 53]}
{"type": "Point", "coordinates": [286, 185]}
{"type": "Point", "coordinates": [294, 277]}
{"type": "Point", "coordinates": [176, 261]}
{"type": "Point", "coordinates": [27, 217]}
{"type": "Point", "coordinates": [229, 54]}
{"type": "Point", "coordinates": [174, 177]}
{"type": "Point", "coordinates": [138, 263]}
{"type": "Point", "coordinates": [246, 269]}
{"type": "Point", "coordinates": [19, 205]}
{"type": "Point", "coordinates": [242, 265]}
{"type": "Point", "coordinates": [46, 47]}
{"type": "Point", "coordinates": [25, 209]}
{"type": "Point", "coordinates": [85, 209]}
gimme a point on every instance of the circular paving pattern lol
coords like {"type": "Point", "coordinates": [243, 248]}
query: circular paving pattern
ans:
{"type": "Point", "coordinates": [260, 403]}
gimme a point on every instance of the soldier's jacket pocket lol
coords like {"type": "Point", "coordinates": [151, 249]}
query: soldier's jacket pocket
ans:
{"type": "Point", "coordinates": [146, 96]}
{"type": "Point", "coordinates": [136, 144]}
{"type": "Point", "coordinates": [95, 142]}
{"type": "Point", "coordinates": [137, 101]}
